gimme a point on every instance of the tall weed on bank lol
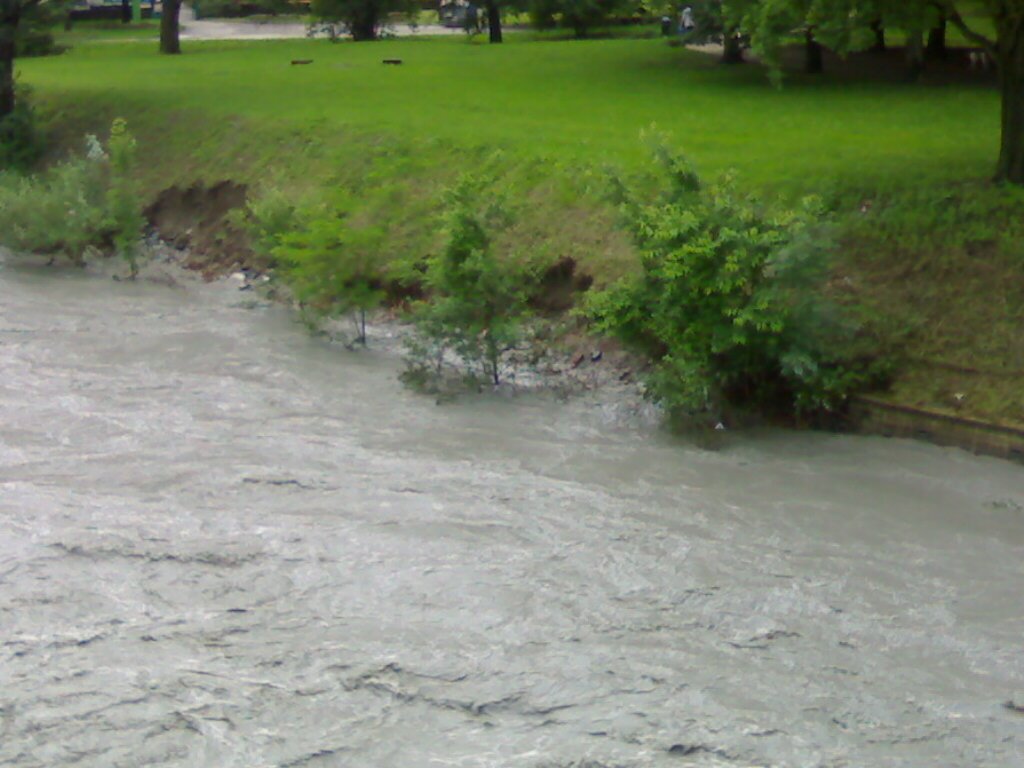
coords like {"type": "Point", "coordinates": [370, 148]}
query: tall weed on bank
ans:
{"type": "Point", "coordinates": [329, 261]}
{"type": "Point", "coordinates": [476, 302]}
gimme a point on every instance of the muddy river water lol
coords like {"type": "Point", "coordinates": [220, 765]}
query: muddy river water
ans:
{"type": "Point", "coordinates": [225, 543]}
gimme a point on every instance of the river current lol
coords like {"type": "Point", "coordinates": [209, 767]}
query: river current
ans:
{"type": "Point", "coordinates": [224, 543]}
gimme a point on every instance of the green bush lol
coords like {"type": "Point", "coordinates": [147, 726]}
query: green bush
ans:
{"type": "Point", "coordinates": [20, 145]}
{"type": "Point", "coordinates": [231, 9]}
{"type": "Point", "coordinates": [542, 13]}
{"type": "Point", "coordinates": [85, 204]}
{"type": "Point", "coordinates": [267, 219]}
{"type": "Point", "coordinates": [729, 303]}
{"type": "Point", "coordinates": [581, 16]}
{"type": "Point", "coordinates": [331, 264]}
{"type": "Point", "coordinates": [60, 211]}
{"type": "Point", "coordinates": [37, 42]}
{"type": "Point", "coordinates": [476, 303]}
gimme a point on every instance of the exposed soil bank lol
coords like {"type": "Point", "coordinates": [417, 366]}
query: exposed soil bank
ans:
{"type": "Point", "coordinates": [197, 220]}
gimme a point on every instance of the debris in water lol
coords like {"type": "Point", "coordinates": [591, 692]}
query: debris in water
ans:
{"type": "Point", "coordinates": [276, 482]}
{"type": "Point", "coordinates": [685, 749]}
{"type": "Point", "coordinates": [1008, 505]}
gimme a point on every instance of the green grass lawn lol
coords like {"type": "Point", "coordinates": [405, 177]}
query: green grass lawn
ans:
{"type": "Point", "coordinates": [92, 31]}
{"type": "Point", "coordinates": [580, 100]}
{"type": "Point", "coordinates": [932, 257]}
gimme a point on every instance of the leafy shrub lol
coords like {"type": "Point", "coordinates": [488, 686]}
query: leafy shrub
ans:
{"type": "Point", "coordinates": [20, 145]}
{"type": "Point", "coordinates": [84, 204]}
{"type": "Point", "coordinates": [729, 303]}
{"type": "Point", "coordinates": [231, 9]}
{"type": "Point", "coordinates": [37, 42]}
{"type": "Point", "coordinates": [267, 219]}
{"type": "Point", "coordinates": [542, 13]}
{"type": "Point", "coordinates": [332, 265]}
{"type": "Point", "coordinates": [59, 211]}
{"type": "Point", "coordinates": [477, 303]}
{"type": "Point", "coordinates": [583, 15]}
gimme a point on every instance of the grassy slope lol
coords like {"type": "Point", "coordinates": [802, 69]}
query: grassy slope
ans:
{"type": "Point", "coordinates": [939, 276]}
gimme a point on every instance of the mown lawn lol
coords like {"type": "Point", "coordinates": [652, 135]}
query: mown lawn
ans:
{"type": "Point", "coordinates": [582, 100]}
{"type": "Point", "coordinates": [932, 255]}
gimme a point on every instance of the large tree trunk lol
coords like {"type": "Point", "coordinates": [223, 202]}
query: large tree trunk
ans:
{"type": "Point", "coordinates": [915, 55]}
{"type": "Point", "coordinates": [879, 30]}
{"type": "Point", "coordinates": [493, 20]}
{"type": "Point", "coordinates": [815, 60]}
{"type": "Point", "coordinates": [1011, 79]}
{"type": "Point", "coordinates": [170, 29]}
{"type": "Point", "coordinates": [363, 31]}
{"type": "Point", "coordinates": [8, 32]}
{"type": "Point", "coordinates": [364, 23]}
{"type": "Point", "coordinates": [936, 48]}
{"type": "Point", "coordinates": [732, 47]}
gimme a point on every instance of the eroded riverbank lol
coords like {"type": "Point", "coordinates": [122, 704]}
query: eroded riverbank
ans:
{"type": "Point", "coordinates": [223, 543]}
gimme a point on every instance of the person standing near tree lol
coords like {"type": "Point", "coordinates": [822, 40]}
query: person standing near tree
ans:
{"type": "Point", "coordinates": [686, 23]}
{"type": "Point", "coordinates": [471, 21]}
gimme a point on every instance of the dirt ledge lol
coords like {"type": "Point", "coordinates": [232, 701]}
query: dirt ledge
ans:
{"type": "Point", "coordinates": [198, 221]}
{"type": "Point", "coordinates": [877, 416]}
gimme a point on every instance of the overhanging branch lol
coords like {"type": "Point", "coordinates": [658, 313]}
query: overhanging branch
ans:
{"type": "Point", "coordinates": [954, 17]}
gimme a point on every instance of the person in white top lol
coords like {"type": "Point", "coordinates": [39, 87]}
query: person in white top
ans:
{"type": "Point", "coordinates": [686, 23]}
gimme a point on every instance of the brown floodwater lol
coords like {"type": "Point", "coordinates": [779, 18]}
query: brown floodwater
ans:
{"type": "Point", "coordinates": [225, 543]}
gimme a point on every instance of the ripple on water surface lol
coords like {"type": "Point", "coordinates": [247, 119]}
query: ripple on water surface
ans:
{"type": "Point", "coordinates": [225, 544]}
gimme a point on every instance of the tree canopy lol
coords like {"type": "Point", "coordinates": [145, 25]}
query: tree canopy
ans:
{"type": "Point", "coordinates": [846, 25]}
